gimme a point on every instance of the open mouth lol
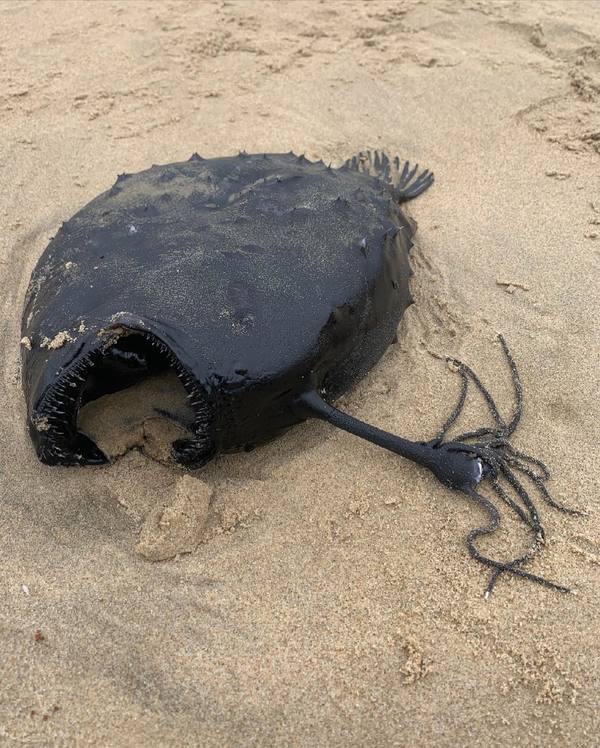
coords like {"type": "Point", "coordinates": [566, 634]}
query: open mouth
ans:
{"type": "Point", "coordinates": [129, 391]}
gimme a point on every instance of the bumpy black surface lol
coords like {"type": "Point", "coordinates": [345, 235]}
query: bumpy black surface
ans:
{"type": "Point", "coordinates": [256, 277]}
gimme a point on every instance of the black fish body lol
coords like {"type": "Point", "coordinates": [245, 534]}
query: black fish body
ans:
{"type": "Point", "coordinates": [269, 285]}
{"type": "Point", "coordinates": [255, 277]}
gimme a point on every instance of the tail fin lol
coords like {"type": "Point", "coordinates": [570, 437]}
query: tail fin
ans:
{"type": "Point", "coordinates": [406, 183]}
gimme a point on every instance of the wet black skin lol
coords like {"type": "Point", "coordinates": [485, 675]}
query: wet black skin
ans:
{"type": "Point", "coordinates": [257, 278]}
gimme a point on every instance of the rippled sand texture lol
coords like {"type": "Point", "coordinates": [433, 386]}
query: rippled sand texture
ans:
{"type": "Point", "coordinates": [317, 591]}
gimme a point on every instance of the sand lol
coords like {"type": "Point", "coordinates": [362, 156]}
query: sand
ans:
{"type": "Point", "coordinates": [317, 591]}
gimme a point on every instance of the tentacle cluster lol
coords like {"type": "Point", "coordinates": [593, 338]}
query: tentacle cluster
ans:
{"type": "Point", "coordinates": [504, 465]}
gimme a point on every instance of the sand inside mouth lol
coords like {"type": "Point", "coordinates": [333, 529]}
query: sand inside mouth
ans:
{"type": "Point", "coordinates": [148, 416]}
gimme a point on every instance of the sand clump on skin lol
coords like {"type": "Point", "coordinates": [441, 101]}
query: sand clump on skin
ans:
{"type": "Point", "coordinates": [62, 337]}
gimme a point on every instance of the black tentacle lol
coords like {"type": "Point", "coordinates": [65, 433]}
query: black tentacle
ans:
{"type": "Point", "coordinates": [517, 562]}
{"type": "Point", "coordinates": [505, 445]}
{"type": "Point", "coordinates": [490, 402]}
{"type": "Point", "coordinates": [458, 408]}
{"type": "Point", "coordinates": [466, 461]}
{"type": "Point", "coordinates": [509, 501]}
{"type": "Point", "coordinates": [518, 385]}
{"type": "Point", "coordinates": [538, 481]}
{"type": "Point", "coordinates": [522, 493]}
{"type": "Point", "coordinates": [500, 567]}
{"type": "Point", "coordinates": [492, 446]}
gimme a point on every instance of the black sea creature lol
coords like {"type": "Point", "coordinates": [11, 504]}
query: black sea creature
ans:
{"type": "Point", "coordinates": [270, 285]}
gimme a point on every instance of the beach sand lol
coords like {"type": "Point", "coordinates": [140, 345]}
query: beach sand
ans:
{"type": "Point", "coordinates": [317, 591]}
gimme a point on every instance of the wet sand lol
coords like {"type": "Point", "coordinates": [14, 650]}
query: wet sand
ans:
{"type": "Point", "coordinates": [318, 590]}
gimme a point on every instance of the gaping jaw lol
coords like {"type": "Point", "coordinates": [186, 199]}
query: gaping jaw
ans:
{"type": "Point", "coordinates": [119, 358]}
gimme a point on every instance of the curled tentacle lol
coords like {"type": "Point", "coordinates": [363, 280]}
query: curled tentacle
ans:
{"type": "Point", "coordinates": [492, 407]}
{"type": "Point", "coordinates": [485, 431]}
{"type": "Point", "coordinates": [499, 468]}
{"type": "Point", "coordinates": [505, 445]}
{"type": "Point", "coordinates": [538, 481]}
{"type": "Point", "coordinates": [502, 429]}
{"type": "Point", "coordinates": [500, 460]}
{"type": "Point", "coordinates": [458, 408]}
{"type": "Point", "coordinates": [499, 567]}
{"type": "Point", "coordinates": [463, 462]}
{"type": "Point", "coordinates": [509, 501]}
{"type": "Point", "coordinates": [522, 493]}
{"type": "Point", "coordinates": [518, 386]}
{"type": "Point", "coordinates": [518, 562]}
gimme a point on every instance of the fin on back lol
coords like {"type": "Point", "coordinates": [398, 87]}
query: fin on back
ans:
{"type": "Point", "coordinates": [405, 182]}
